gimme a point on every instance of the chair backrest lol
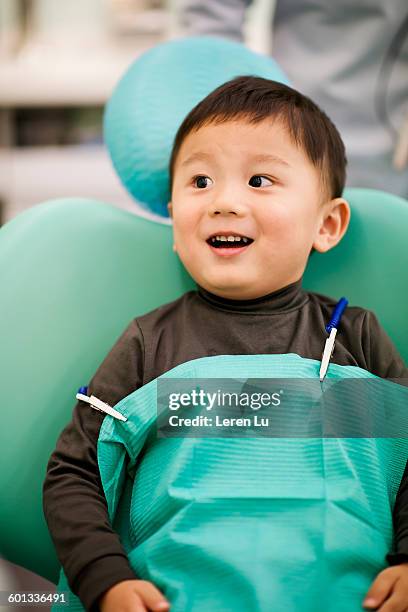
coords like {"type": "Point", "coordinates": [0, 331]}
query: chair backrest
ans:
{"type": "Point", "coordinates": [73, 273]}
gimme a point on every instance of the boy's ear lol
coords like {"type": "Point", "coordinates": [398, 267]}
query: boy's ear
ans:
{"type": "Point", "coordinates": [333, 224]}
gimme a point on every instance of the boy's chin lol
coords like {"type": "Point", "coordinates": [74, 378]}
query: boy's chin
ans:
{"type": "Point", "coordinates": [247, 288]}
{"type": "Point", "coordinates": [229, 287]}
{"type": "Point", "coordinates": [225, 280]}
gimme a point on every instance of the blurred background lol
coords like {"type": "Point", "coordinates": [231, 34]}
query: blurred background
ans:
{"type": "Point", "coordinates": [59, 62]}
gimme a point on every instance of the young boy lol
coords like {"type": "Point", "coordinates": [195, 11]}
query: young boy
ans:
{"type": "Point", "coordinates": [257, 173]}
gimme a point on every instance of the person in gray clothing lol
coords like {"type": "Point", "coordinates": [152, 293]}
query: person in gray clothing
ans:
{"type": "Point", "coordinates": [350, 58]}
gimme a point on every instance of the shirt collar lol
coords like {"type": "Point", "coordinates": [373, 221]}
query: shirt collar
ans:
{"type": "Point", "coordinates": [282, 300]}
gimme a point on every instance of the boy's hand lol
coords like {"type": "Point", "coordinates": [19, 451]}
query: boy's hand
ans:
{"type": "Point", "coordinates": [390, 588]}
{"type": "Point", "coordinates": [133, 596]}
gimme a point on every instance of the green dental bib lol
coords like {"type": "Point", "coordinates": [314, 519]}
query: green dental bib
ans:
{"type": "Point", "coordinates": [251, 524]}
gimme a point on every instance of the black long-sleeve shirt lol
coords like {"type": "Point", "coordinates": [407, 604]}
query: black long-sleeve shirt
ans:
{"type": "Point", "coordinates": [198, 324]}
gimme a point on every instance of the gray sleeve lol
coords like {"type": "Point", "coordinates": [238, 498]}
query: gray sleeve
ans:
{"type": "Point", "coordinates": [223, 18]}
{"type": "Point", "coordinates": [74, 503]}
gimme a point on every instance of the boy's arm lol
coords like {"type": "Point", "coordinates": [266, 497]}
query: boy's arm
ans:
{"type": "Point", "coordinates": [381, 356]}
{"type": "Point", "coordinates": [74, 503]}
{"type": "Point", "coordinates": [400, 520]}
{"type": "Point", "coordinates": [384, 360]}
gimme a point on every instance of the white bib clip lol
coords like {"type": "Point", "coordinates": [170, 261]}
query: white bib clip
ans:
{"type": "Point", "coordinates": [99, 405]}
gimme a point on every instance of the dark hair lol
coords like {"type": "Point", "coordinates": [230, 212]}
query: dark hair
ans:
{"type": "Point", "coordinates": [256, 99]}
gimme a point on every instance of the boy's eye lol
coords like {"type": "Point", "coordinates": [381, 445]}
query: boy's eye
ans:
{"type": "Point", "coordinates": [201, 181]}
{"type": "Point", "coordinates": [256, 180]}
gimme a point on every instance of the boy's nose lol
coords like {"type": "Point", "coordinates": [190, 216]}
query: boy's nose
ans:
{"type": "Point", "coordinates": [226, 207]}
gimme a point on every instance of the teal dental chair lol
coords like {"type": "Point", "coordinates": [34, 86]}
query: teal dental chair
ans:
{"type": "Point", "coordinates": [73, 273]}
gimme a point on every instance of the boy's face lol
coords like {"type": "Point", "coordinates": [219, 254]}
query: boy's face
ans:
{"type": "Point", "coordinates": [238, 179]}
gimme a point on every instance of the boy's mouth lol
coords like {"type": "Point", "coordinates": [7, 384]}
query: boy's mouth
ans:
{"type": "Point", "coordinates": [228, 240]}
{"type": "Point", "coordinates": [229, 243]}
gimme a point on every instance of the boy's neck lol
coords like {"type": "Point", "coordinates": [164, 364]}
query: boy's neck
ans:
{"type": "Point", "coordinates": [284, 299]}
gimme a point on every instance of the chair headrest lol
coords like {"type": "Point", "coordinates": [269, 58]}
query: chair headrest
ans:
{"type": "Point", "coordinates": [152, 99]}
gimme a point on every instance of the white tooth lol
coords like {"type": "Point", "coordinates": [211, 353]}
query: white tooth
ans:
{"type": "Point", "coordinates": [237, 238]}
{"type": "Point", "coordinates": [245, 239]}
{"type": "Point", "coordinates": [231, 238]}
{"type": "Point", "coordinates": [223, 238]}
{"type": "Point", "coordinates": [213, 239]}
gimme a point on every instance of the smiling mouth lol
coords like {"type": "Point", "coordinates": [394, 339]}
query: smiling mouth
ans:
{"type": "Point", "coordinates": [229, 241]}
